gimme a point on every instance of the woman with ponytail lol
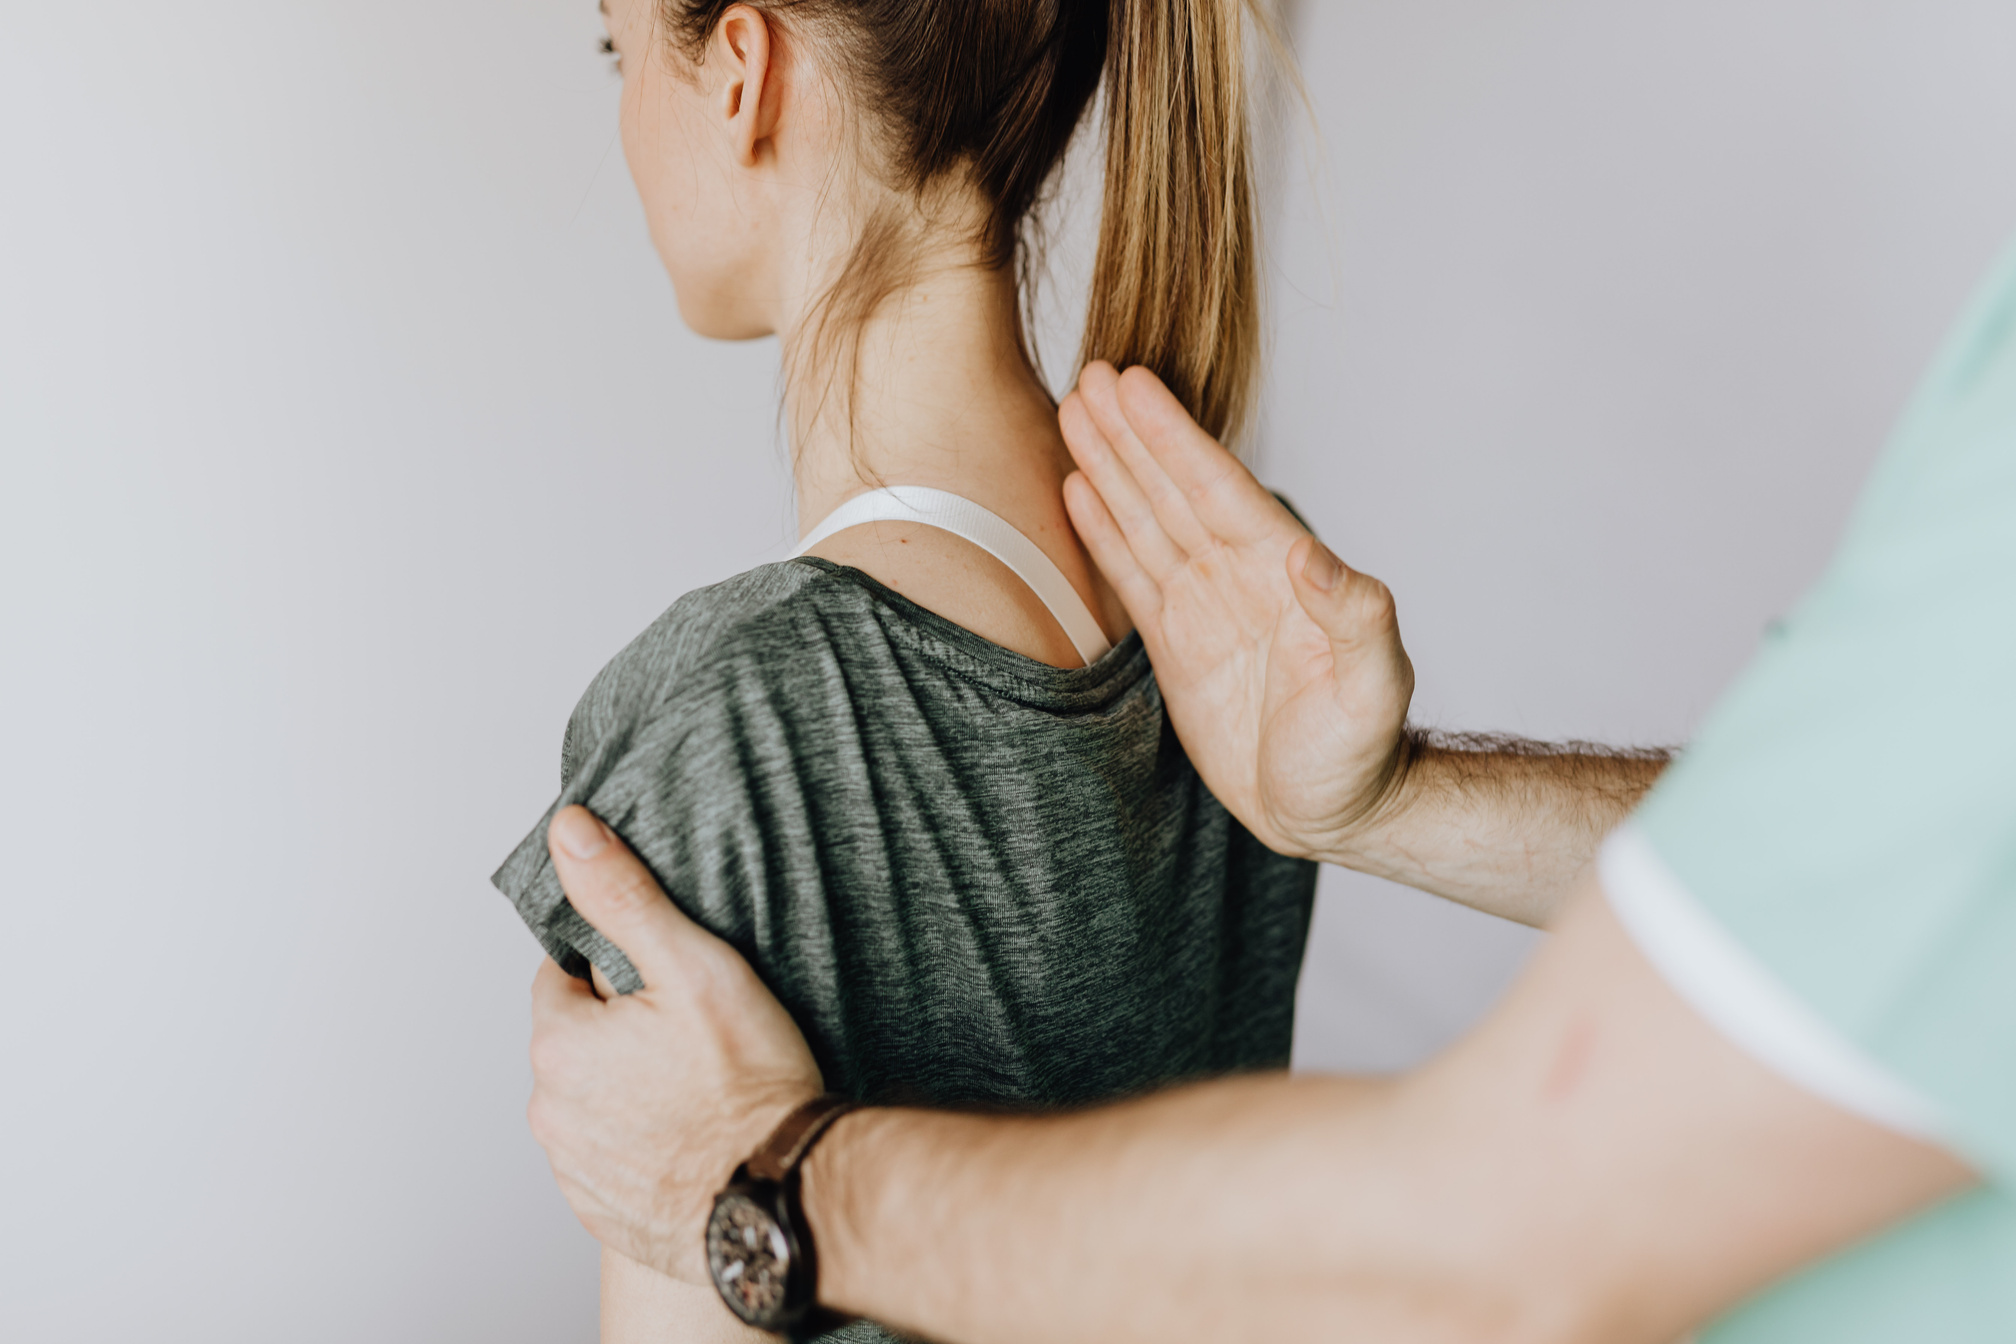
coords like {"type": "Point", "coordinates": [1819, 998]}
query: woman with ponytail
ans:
{"type": "Point", "coordinates": [920, 774]}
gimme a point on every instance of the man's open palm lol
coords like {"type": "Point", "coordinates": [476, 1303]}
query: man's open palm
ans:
{"type": "Point", "coordinates": [1290, 693]}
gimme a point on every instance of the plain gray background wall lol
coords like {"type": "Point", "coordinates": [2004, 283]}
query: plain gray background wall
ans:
{"type": "Point", "coordinates": [347, 426]}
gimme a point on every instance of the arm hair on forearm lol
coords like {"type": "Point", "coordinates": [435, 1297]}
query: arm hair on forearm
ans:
{"type": "Point", "coordinates": [1502, 824]}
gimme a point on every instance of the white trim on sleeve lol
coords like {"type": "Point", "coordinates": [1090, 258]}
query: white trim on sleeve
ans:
{"type": "Point", "coordinates": [1737, 994]}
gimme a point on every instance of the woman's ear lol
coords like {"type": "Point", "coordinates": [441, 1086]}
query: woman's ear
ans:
{"type": "Point", "coordinates": [750, 91]}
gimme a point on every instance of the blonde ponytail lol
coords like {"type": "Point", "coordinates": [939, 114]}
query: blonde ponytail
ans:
{"type": "Point", "coordinates": [1175, 285]}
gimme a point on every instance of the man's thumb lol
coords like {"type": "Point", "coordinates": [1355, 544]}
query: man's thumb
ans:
{"type": "Point", "coordinates": [1351, 608]}
{"type": "Point", "coordinates": [613, 890]}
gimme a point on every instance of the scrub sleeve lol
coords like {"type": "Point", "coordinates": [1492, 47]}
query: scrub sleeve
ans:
{"type": "Point", "coordinates": [1829, 873]}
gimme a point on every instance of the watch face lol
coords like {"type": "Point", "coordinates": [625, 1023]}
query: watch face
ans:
{"type": "Point", "coordinates": [749, 1257]}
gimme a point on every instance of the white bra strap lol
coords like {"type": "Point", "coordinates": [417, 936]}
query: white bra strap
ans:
{"type": "Point", "coordinates": [991, 533]}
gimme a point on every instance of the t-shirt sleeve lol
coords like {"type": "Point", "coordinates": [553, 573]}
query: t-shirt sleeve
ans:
{"type": "Point", "coordinates": [1845, 823]}
{"type": "Point", "coordinates": [625, 779]}
{"type": "Point", "coordinates": [683, 746]}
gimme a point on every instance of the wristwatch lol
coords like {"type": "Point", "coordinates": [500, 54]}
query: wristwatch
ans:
{"type": "Point", "coordinates": [759, 1247]}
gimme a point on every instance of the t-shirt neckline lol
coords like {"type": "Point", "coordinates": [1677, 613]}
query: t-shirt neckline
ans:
{"type": "Point", "coordinates": [1013, 674]}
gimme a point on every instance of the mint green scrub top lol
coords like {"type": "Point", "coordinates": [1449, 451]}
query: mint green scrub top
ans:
{"type": "Point", "coordinates": [1840, 840]}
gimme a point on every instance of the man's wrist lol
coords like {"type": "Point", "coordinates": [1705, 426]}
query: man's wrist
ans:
{"type": "Point", "coordinates": [903, 1203]}
{"type": "Point", "coordinates": [1357, 838]}
{"type": "Point", "coordinates": [835, 1189]}
{"type": "Point", "coordinates": [1499, 823]}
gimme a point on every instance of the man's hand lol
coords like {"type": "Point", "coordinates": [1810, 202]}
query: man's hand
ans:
{"type": "Point", "coordinates": [1284, 676]}
{"type": "Point", "coordinates": [1281, 666]}
{"type": "Point", "coordinates": [646, 1103]}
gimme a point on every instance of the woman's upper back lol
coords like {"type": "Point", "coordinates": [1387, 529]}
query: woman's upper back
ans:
{"type": "Point", "coordinates": [970, 876]}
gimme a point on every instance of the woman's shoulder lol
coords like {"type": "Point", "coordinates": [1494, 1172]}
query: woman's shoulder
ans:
{"type": "Point", "coordinates": [760, 620]}
{"type": "Point", "coordinates": [808, 642]}
{"type": "Point", "coordinates": [759, 630]}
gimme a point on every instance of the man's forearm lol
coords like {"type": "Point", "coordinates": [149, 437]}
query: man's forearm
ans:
{"type": "Point", "coordinates": [1593, 1163]}
{"type": "Point", "coordinates": [1498, 823]}
{"type": "Point", "coordinates": [1189, 1215]}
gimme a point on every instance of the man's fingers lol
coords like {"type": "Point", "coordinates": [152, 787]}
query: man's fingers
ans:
{"type": "Point", "coordinates": [1225, 498]}
{"type": "Point", "coordinates": [1100, 387]}
{"type": "Point", "coordinates": [1111, 553]}
{"type": "Point", "coordinates": [1125, 504]}
{"type": "Point", "coordinates": [616, 893]}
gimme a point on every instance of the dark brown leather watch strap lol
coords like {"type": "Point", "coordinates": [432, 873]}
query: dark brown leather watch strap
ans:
{"type": "Point", "coordinates": [794, 1136]}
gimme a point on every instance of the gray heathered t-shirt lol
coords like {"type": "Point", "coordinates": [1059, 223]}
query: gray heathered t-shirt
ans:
{"type": "Point", "coordinates": [974, 879]}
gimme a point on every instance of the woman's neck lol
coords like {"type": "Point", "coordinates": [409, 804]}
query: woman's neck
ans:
{"type": "Point", "coordinates": [932, 390]}
{"type": "Point", "coordinates": [936, 392]}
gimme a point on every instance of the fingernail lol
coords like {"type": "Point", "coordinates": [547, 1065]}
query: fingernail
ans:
{"type": "Point", "coordinates": [1322, 568]}
{"type": "Point", "coordinates": [579, 833]}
